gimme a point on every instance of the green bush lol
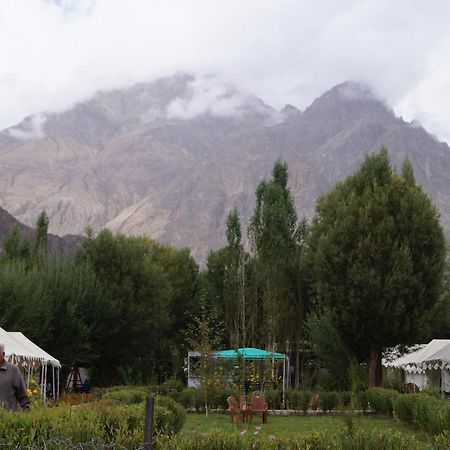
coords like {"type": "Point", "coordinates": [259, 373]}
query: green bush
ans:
{"type": "Point", "coordinates": [171, 422]}
{"type": "Point", "coordinates": [328, 401]}
{"type": "Point", "coordinates": [345, 399]}
{"type": "Point", "coordinates": [423, 412]}
{"type": "Point", "coordinates": [362, 401]}
{"type": "Point", "coordinates": [404, 407]}
{"type": "Point", "coordinates": [128, 395]}
{"type": "Point", "coordinates": [187, 398]}
{"type": "Point", "coordinates": [170, 386]}
{"type": "Point", "coordinates": [274, 398]}
{"type": "Point", "coordinates": [381, 400]}
{"type": "Point", "coordinates": [107, 421]}
{"type": "Point", "coordinates": [432, 392]}
{"type": "Point", "coordinates": [305, 400]}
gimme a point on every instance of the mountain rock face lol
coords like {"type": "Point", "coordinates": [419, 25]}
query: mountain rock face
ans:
{"type": "Point", "coordinates": [170, 159]}
{"type": "Point", "coordinates": [57, 246]}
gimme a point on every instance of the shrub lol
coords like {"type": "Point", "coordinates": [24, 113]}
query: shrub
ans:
{"type": "Point", "coordinates": [432, 392]}
{"type": "Point", "coordinates": [345, 399]}
{"type": "Point", "coordinates": [404, 407]}
{"type": "Point", "coordinates": [127, 395]}
{"type": "Point", "coordinates": [328, 401]}
{"type": "Point", "coordinates": [107, 421]}
{"type": "Point", "coordinates": [305, 400]}
{"type": "Point", "coordinates": [171, 385]}
{"type": "Point", "coordinates": [171, 422]}
{"type": "Point", "coordinates": [423, 412]}
{"type": "Point", "coordinates": [274, 398]}
{"type": "Point", "coordinates": [362, 401]}
{"type": "Point", "coordinates": [293, 399]}
{"type": "Point", "coordinates": [381, 400]}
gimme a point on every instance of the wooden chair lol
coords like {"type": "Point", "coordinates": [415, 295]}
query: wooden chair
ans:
{"type": "Point", "coordinates": [259, 405]}
{"type": "Point", "coordinates": [411, 388]}
{"type": "Point", "coordinates": [245, 408]}
{"type": "Point", "coordinates": [233, 407]}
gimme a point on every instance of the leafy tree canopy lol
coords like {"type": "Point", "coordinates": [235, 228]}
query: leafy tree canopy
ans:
{"type": "Point", "coordinates": [378, 254]}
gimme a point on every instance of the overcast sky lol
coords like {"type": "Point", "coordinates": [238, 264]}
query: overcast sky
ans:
{"type": "Point", "coordinates": [55, 53]}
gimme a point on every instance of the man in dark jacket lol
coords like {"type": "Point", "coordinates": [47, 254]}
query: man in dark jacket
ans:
{"type": "Point", "coordinates": [13, 392]}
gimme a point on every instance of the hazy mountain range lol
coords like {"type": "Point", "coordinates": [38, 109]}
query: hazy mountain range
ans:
{"type": "Point", "coordinates": [171, 158]}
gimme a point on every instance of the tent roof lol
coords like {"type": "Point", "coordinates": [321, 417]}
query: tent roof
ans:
{"type": "Point", "coordinates": [434, 355]}
{"type": "Point", "coordinates": [18, 345]}
{"type": "Point", "coordinates": [33, 348]}
{"type": "Point", "coordinates": [250, 353]}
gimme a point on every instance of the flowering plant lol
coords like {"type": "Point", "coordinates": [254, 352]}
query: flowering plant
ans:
{"type": "Point", "coordinates": [33, 390]}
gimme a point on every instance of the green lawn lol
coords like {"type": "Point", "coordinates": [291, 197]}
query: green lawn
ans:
{"type": "Point", "coordinates": [292, 426]}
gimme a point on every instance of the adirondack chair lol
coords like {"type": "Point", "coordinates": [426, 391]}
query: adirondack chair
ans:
{"type": "Point", "coordinates": [233, 407]}
{"type": "Point", "coordinates": [411, 388]}
{"type": "Point", "coordinates": [259, 405]}
{"type": "Point", "coordinates": [245, 408]}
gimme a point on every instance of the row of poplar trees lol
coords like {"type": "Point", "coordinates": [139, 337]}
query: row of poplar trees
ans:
{"type": "Point", "coordinates": [368, 272]}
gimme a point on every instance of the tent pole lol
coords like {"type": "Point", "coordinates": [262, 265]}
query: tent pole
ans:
{"type": "Point", "coordinates": [41, 381]}
{"type": "Point", "coordinates": [53, 382]}
{"type": "Point", "coordinates": [284, 377]}
{"type": "Point", "coordinates": [57, 386]}
{"type": "Point", "coordinates": [45, 383]}
{"type": "Point", "coordinates": [29, 375]}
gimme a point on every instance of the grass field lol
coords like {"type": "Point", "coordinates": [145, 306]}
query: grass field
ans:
{"type": "Point", "coordinates": [291, 426]}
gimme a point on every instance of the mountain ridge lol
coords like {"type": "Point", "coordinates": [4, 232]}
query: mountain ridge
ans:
{"type": "Point", "coordinates": [121, 160]}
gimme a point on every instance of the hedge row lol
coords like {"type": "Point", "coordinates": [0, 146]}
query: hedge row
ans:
{"type": "Point", "coordinates": [378, 400]}
{"type": "Point", "coordinates": [424, 413]}
{"type": "Point", "coordinates": [344, 440]}
{"type": "Point", "coordinates": [107, 421]}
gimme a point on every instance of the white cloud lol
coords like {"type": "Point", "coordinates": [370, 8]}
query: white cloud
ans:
{"type": "Point", "coordinates": [207, 95]}
{"type": "Point", "coordinates": [54, 53]}
{"type": "Point", "coordinates": [32, 128]}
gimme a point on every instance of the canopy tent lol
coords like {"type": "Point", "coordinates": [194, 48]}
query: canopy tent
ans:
{"type": "Point", "coordinates": [250, 353]}
{"type": "Point", "coordinates": [429, 361]}
{"type": "Point", "coordinates": [246, 353]}
{"type": "Point", "coordinates": [29, 356]}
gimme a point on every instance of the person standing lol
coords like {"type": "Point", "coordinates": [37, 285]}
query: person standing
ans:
{"type": "Point", "coordinates": [13, 392]}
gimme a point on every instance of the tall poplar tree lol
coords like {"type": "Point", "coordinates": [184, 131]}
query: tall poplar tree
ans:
{"type": "Point", "coordinates": [273, 234]}
{"type": "Point", "coordinates": [378, 253]}
{"type": "Point", "coordinates": [233, 295]}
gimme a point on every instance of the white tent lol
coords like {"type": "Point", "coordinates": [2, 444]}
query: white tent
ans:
{"type": "Point", "coordinates": [30, 357]}
{"type": "Point", "coordinates": [428, 366]}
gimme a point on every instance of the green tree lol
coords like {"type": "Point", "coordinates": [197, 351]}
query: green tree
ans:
{"type": "Point", "coordinates": [40, 243]}
{"type": "Point", "coordinates": [273, 234]}
{"type": "Point", "coordinates": [233, 289]}
{"type": "Point", "coordinates": [204, 335]}
{"type": "Point", "coordinates": [15, 246]}
{"type": "Point", "coordinates": [378, 252]}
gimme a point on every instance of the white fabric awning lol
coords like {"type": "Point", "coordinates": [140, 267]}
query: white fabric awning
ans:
{"type": "Point", "coordinates": [435, 355]}
{"type": "Point", "coordinates": [22, 350]}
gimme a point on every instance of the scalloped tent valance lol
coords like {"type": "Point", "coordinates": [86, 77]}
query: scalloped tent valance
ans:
{"type": "Point", "coordinates": [435, 355]}
{"type": "Point", "coordinates": [20, 350]}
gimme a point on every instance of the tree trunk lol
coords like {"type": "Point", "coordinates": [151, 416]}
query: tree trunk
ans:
{"type": "Point", "coordinates": [375, 373]}
{"type": "Point", "coordinates": [297, 364]}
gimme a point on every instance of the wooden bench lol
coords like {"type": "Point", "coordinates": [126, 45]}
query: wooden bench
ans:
{"type": "Point", "coordinates": [258, 406]}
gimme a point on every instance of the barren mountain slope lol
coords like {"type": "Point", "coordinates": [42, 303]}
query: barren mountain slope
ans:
{"type": "Point", "coordinates": [121, 160]}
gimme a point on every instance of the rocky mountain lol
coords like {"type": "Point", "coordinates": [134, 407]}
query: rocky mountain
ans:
{"type": "Point", "coordinates": [171, 158]}
{"type": "Point", "coordinates": [57, 246]}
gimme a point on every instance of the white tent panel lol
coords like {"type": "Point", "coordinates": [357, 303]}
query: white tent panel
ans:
{"type": "Point", "coordinates": [435, 355]}
{"type": "Point", "coordinates": [33, 349]}
{"type": "Point", "coordinates": [20, 349]}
